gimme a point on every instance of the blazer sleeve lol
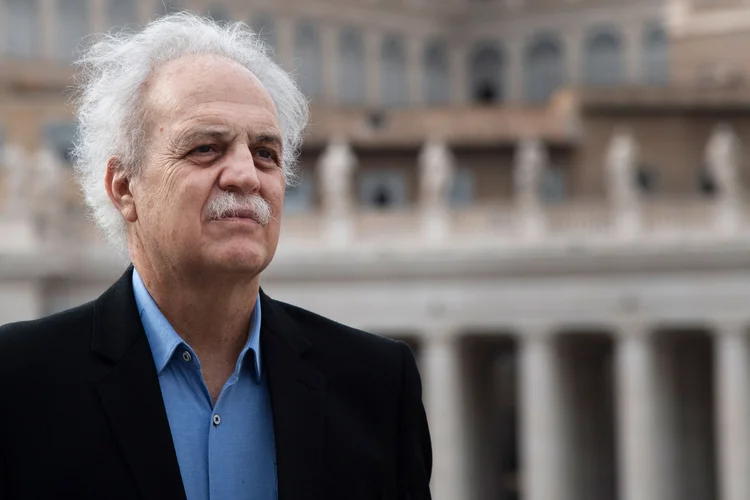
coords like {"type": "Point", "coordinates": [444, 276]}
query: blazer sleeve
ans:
{"type": "Point", "coordinates": [414, 445]}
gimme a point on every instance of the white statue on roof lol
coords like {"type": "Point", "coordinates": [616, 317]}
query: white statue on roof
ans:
{"type": "Point", "coordinates": [723, 158]}
{"type": "Point", "coordinates": [622, 169]}
{"type": "Point", "coordinates": [436, 166]}
{"type": "Point", "coordinates": [336, 170]}
{"type": "Point", "coordinates": [18, 180]}
{"type": "Point", "coordinates": [531, 162]}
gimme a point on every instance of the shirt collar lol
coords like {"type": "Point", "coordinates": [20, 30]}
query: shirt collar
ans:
{"type": "Point", "coordinates": [163, 339]}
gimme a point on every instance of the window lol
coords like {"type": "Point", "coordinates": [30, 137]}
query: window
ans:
{"type": "Point", "coordinates": [382, 188]}
{"type": "Point", "coordinates": [553, 185]}
{"type": "Point", "coordinates": [436, 73]}
{"type": "Point", "coordinates": [72, 26]}
{"type": "Point", "coordinates": [544, 68]}
{"type": "Point", "coordinates": [655, 55]}
{"type": "Point", "coordinates": [463, 190]}
{"type": "Point", "coordinates": [705, 182]}
{"type": "Point", "coordinates": [351, 78]}
{"type": "Point", "coordinates": [298, 198]}
{"type": "Point", "coordinates": [604, 58]}
{"type": "Point", "coordinates": [59, 136]}
{"type": "Point", "coordinates": [121, 12]}
{"type": "Point", "coordinates": [219, 13]}
{"type": "Point", "coordinates": [22, 27]}
{"type": "Point", "coordinates": [646, 179]}
{"type": "Point", "coordinates": [394, 87]}
{"type": "Point", "coordinates": [309, 60]}
{"type": "Point", "coordinates": [265, 26]}
{"type": "Point", "coordinates": [486, 74]}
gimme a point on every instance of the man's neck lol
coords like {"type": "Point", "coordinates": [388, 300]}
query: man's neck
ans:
{"type": "Point", "coordinates": [210, 315]}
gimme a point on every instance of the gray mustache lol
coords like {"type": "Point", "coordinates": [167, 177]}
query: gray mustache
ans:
{"type": "Point", "coordinates": [232, 204]}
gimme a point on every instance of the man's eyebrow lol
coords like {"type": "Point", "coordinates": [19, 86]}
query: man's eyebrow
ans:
{"type": "Point", "coordinates": [267, 138]}
{"type": "Point", "coordinates": [189, 136]}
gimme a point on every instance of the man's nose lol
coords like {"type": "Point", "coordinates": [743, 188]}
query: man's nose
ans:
{"type": "Point", "coordinates": [239, 173]}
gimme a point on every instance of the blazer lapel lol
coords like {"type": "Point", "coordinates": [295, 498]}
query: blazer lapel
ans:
{"type": "Point", "coordinates": [297, 392]}
{"type": "Point", "coordinates": [129, 389]}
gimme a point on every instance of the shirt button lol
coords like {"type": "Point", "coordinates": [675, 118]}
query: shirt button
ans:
{"type": "Point", "coordinates": [186, 356]}
{"type": "Point", "coordinates": [217, 419]}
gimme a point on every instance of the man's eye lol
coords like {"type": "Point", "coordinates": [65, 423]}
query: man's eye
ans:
{"type": "Point", "coordinates": [267, 154]}
{"type": "Point", "coordinates": [203, 149]}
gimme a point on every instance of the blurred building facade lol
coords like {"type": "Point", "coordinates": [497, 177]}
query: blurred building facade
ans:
{"type": "Point", "coordinates": [543, 198]}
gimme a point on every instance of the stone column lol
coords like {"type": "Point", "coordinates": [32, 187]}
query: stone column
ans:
{"type": "Point", "coordinates": [443, 378]}
{"type": "Point", "coordinates": [146, 10]}
{"type": "Point", "coordinates": [373, 41]}
{"type": "Point", "coordinates": [621, 162]}
{"type": "Point", "coordinates": [573, 46]}
{"type": "Point", "coordinates": [48, 29]}
{"type": "Point", "coordinates": [285, 40]}
{"type": "Point", "coordinates": [531, 164]}
{"type": "Point", "coordinates": [99, 19]}
{"type": "Point", "coordinates": [330, 49]}
{"type": "Point", "coordinates": [541, 418]}
{"type": "Point", "coordinates": [437, 171]}
{"type": "Point", "coordinates": [723, 159]}
{"type": "Point", "coordinates": [514, 72]}
{"type": "Point", "coordinates": [458, 73]}
{"type": "Point", "coordinates": [336, 171]}
{"type": "Point", "coordinates": [641, 475]}
{"type": "Point", "coordinates": [3, 28]}
{"type": "Point", "coordinates": [732, 365]}
{"type": "Point", "coordinates": [414, 68]}
{"type": "Point", "coordinates": [633, 46]}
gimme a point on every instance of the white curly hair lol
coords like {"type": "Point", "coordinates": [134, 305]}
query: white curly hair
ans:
{"type": "Point", "coordinates": [111, 85]}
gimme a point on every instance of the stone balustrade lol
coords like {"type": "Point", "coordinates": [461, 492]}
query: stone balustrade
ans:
{"type": "Point", "coordinates": [623, 215]}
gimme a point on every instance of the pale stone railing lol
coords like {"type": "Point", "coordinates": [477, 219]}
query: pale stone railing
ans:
{"type": "Point", "coordinates": [574, 221]}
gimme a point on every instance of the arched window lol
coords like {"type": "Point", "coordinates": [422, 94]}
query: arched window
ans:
{"type": "Point", "coordinates": [486, 73]}
{"type": "Point", "coordinates": [604, 58]}
{"type": "Point", "coordinates": [21, 27]}
{"type": "Point", "coordinates": [647, 179]}
{"type": "Point", "coordinates": [299, 196]}
{"type": "Point", "coordinates": [436, 73]}
{"type": "Point", "coordinates": [351, 71]}
{"type": "Point", "coordinates": [705, 182]}
{"type": "Point", "coordinates": [265, 26]}
{"type": "Point", "coordinates": [219, 13]}
{"type": "Point", "coordinates": [59, 136]}
{"type": "Point", "coordinates": [655, 55]}
{"type": "Point", "coordinates": [394, 88]}
{"type": "Point", "coordinates": [553, 185]}
{"type": "Point", "coordinates": [309, 60]}
{"type": "Point", "coordinates": [121, 12]}
{"type": "Point", "coordinates": [544, 68]}
{"type": "Point", "coordinates": [72, 26]}
{"type": "Point", "coordinates": [463, 190]}
{"type": "Point", "coordinates": [382, 188]}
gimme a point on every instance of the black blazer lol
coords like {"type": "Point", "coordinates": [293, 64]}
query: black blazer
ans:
{"type": "Point", "coordinates": [81, 412]}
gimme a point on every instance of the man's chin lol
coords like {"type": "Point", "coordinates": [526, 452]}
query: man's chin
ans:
{"type": "Point", "coordinates": [238, 261]}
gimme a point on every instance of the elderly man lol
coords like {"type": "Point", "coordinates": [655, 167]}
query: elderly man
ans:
{"type": "Point", "coordinates": [184, 380]}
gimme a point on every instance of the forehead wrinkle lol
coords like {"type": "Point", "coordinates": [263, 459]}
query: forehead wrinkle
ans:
{"type": "Point", "coordinates": [190, 133]}
{"type": "Point", "coordinates": [210, 79]}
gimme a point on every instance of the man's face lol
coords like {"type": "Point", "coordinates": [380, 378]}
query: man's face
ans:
{"type": "Point", "coordinates": [213, 144]}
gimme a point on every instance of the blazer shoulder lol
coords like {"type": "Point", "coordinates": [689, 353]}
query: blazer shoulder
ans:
{"type": "Point", "coordinates": [34, 337]}
{"type": "Point", "coordinates": [340, 337]}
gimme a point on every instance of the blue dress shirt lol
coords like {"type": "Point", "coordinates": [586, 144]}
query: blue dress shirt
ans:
{"type": "Point", "coordinates": [225, 452]}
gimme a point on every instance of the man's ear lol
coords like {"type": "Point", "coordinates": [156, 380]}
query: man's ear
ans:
{"type": "Point", "coordinates": [118, 186]}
